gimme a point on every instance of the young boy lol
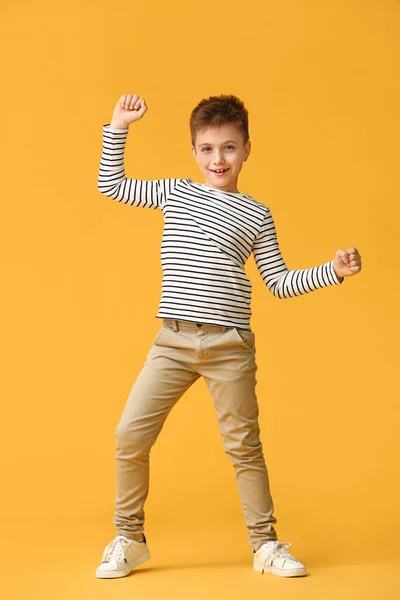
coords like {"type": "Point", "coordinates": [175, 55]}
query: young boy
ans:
{"type": "Point", "coordinates": [210, 229]}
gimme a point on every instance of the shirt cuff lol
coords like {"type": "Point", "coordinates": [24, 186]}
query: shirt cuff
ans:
{"type": "Point", "coordinates": [108, 128]}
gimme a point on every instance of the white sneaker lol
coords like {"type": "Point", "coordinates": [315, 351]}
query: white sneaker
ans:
{"type": "Point", "coordinates": [273, 558]}
{"type": "Point", "coordinates": [120, 556]}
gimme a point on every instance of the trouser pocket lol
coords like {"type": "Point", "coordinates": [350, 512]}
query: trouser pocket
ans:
{"type": "Point", "coordinates": [246, 336]}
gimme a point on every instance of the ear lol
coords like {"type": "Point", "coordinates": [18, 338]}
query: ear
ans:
{"type": "Point", "coordinates": [247, 150]}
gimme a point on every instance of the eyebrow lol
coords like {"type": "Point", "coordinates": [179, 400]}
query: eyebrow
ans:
{"type": "Point", "coordinates": [206, 144]}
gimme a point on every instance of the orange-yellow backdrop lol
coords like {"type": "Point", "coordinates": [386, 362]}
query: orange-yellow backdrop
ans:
{"type": "Point", "coordinates": [81, 273]}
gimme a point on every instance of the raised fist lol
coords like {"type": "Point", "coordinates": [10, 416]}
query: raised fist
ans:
{"type": "Point", "coordinates": [129, 108]}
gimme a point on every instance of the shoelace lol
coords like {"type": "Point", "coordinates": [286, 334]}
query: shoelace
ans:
{"type": "Point", "coordinates": [276, 550]}
{"type": "Point", "coordinates": [116, 548]}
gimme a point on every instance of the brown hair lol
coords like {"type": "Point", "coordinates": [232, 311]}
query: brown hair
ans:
{"type": "Point", "coordinates": [219, 110]}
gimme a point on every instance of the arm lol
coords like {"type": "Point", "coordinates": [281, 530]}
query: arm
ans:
{"type": "Point", "coordinates": [111, 178]}
{"type": "Point", "coordinates": [282, 282]}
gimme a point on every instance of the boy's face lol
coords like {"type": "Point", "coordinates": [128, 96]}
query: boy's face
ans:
{"type": "Point", "coordinates": [221, 148]}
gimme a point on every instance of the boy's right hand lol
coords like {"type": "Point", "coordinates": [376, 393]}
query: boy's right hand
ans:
{"type": "Point", "coordinates": [129, 108]}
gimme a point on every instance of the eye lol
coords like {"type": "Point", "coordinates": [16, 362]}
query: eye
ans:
{"type": "Point", "coordinates": [228, 146]}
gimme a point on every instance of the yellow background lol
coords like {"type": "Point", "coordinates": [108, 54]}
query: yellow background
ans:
{"type": "Point", "coordinates": [81, 282]}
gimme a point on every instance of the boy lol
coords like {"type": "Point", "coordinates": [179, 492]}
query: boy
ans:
{"type": "Point", "coordinates": [210, 230]}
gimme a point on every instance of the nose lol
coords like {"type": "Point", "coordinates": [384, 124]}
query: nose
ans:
{"type": "Point", "coordinates": [219, 159]}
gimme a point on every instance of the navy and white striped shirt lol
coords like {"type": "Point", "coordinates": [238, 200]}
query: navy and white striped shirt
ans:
{"type": "Point", "coordinates": [208, 236]}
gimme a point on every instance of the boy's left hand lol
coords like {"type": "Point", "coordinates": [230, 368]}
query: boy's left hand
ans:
{"type": "Point", "coordinates": [347, 262]}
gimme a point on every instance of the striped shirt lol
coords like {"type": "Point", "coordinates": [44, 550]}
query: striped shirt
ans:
{"type": "Point", "coordinates": [208, 237]}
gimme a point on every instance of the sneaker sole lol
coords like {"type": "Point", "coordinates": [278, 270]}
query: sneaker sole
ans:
{"type": "Point", "coordinates": [300, 572]}
{"type": "Point", "coordinates": [104, 574]}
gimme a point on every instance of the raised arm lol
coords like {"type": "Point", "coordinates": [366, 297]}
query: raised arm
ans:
{"type": "Point", "coordinates": [282, 282]}
{"type": "Point", "coordinates": [111, 177]}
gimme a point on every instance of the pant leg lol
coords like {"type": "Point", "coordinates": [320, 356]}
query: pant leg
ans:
{"type": "Point", "coordinates": [232, 383]}
{"type": "Point", "coordinates": [163, 379]}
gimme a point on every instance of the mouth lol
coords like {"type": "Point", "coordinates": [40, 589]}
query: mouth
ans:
{"type": "Point", "coordinates": [219, 171]}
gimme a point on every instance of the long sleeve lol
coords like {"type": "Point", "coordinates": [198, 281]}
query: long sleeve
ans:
{"type": "Point", "coordinates": [282, 282]}
{"type": "Point", "coordinates": [111, 178]}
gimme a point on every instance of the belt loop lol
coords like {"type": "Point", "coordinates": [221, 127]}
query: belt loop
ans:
{"type": "Point", "coordinates": [175, 325]}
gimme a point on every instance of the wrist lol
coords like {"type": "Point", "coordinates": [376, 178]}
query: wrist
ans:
{"type": "Point", "coordinates": [118, 125]}
{"type": "Point", "coordinates": [337, 276]}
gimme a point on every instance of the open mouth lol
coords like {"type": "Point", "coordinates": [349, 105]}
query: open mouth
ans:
{"type": "Point", "coordinates": [219, 171]}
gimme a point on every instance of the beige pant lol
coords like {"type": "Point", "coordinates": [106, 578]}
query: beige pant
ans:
{"type": "Point", "coordinates": [181, 353]}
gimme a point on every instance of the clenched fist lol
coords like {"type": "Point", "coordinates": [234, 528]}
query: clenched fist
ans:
{"type": "Point", "coordinates": [347, 262]}
{"type": "Point", "coordinates": [129, 108]}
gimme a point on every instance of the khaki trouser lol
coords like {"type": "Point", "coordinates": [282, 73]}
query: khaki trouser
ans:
{"type": "Point", "coordinates": [182, 352]}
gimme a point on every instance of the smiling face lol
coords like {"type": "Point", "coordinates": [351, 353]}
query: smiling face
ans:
{"type": "Point", "coordinates": [221, 148]}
